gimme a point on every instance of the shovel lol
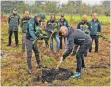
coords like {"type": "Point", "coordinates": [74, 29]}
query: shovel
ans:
{"type": "Point", "coordinates": [59, 64]}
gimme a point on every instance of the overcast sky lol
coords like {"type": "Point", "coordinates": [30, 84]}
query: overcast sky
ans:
{"type": "Point", "coordinates": [90, 2]}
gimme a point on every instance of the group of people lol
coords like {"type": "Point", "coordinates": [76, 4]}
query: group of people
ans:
{"type": "Point", "coordinates": [78, 41]}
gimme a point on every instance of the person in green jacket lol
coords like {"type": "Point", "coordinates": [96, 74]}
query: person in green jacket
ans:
{"type": "Point", "coordinates": [95, 30]}
{"type": "Point", "coordinates": [43, 29]}
{"type": "Point", "coordinates": [13, 22]}
{"type": "Point", "coordinates": [44, 32]}
{"type": "Point", "coordinates": [52, 28]}
{"type": "Point", "coordinates": [32, 34]}
{"type": "Point", "coordinates": [23, 25]}
{"type": "Point", "coordinates": [84, 25]}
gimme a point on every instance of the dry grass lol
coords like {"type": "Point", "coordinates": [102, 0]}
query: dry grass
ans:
{"type": "Point", "coordinates": [14, 66]}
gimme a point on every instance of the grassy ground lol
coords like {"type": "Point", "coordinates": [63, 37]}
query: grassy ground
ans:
{"type": "Point", "coordinates": [14, 66]}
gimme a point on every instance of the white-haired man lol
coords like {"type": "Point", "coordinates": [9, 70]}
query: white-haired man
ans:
{"type": "Point", "coordinates": [78, 37]}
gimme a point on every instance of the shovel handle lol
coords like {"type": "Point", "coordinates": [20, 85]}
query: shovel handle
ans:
{"type": "Point", "coordinates": [58, 65]}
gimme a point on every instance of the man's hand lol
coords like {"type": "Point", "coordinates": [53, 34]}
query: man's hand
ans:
{"type": "Point", "coordinates": [98, 33]}
{"type": "Point", "coordinates": [52, 31]}
{"type": "Point", "coordinates": [34, 40]}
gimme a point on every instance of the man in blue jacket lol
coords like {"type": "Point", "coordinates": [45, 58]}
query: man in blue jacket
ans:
{"type": "Point", "coordinates": [95, 30]}
{"type": "Point", "coordinates": [78, 37]}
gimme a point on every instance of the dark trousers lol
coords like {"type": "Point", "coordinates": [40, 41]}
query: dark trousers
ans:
{"type": "Point", "coordinates": [60, 37]}
{"type": "Point", "coordinates": [30, 46]}
{"type": "Point", "coordinates": [23, 41]}
{"type": "Point", "coordinates": [10, 37]}
{"type": "Point", "coordinates": [46, 42]}
{"type": "Point", "coordinates": [95, 37]}
{"type": "Point", "coordinates": [80, 55]}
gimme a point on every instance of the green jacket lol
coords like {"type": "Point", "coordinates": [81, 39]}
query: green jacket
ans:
{"type": "Point", "coordinates": [84, 26]}
{"type": "Point", "coordinates": [63, 23]}
{"type": "Point", "coordinates": [43, 33]}
{"type": "Point", "coordinates": [33, 29]}
{"type": "Point", "coordinates": [23, 24]}
{"type": "Point", "coordinates": [52, 25]}
{"type": "Point", "coordinates": [95, 27]}
{"type": "Point", "coordinates": [13, 22]}
{"type": "Point", "coordinates": [43, 28]}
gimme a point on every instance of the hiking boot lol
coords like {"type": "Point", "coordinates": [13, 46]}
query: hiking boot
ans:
{"type": "Point", "coordinates": [41, 66]}
{"type": "Point", "coordinates": [85, 55]}
{"type": "Point", "coordinates": [76, 75]}
{"type": "Point", "coordinates": [96, 51]}
{"type": "Point", "coordinates": [90, 51]}
{"type": "Point", "coordinates": [83, 68]}
{"type": "Point", "coordinates": [30, 71]}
